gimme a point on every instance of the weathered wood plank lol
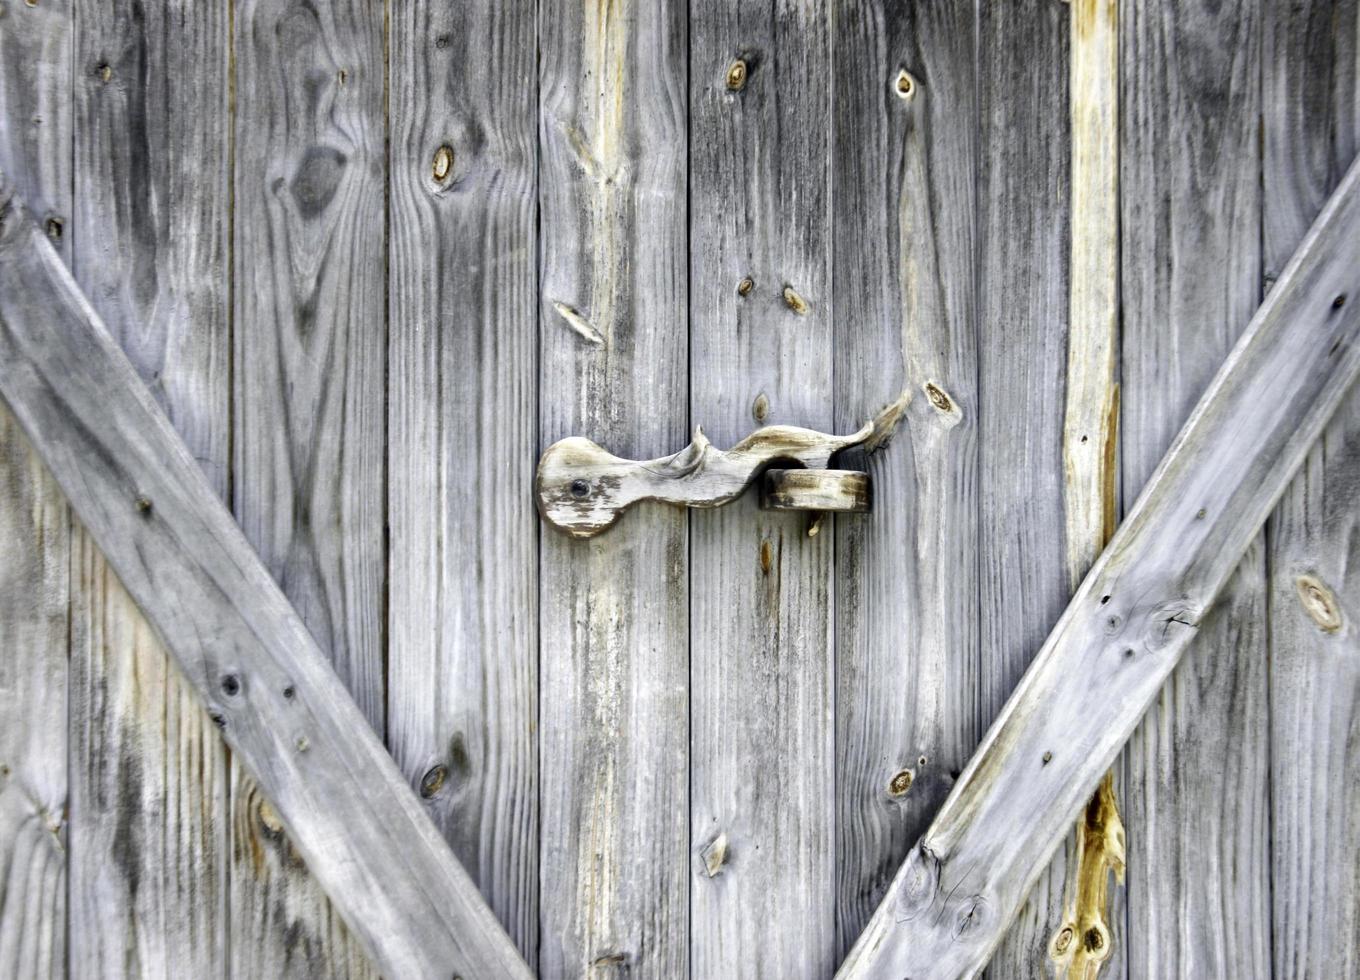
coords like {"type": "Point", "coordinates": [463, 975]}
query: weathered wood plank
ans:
{"type": "Point", "coordinates": [1024, 208]}
{"type": "Point", "coordinates": [463, 435]}
{"type": "Point", "coordinates": [1089, 940]}
{"type": "Point", "coordinates": [613, 309]}
{"type": "Point", "coordinates": [904, 294]}
{"type": "Point", "coordinates": [1197, 770]}
{"type": "Point", "coordinates": [763, 739]}
{"type": "Point", "coordinates": [1311, 109]}
{"type": "Point", "coordinates": [1133, 616]}
{"type": "Point", "coordinates": [148, 780]}
{"type": "Point", "coordinates": [282, 709]}
{"type": "Point", "coordinates": [35, 148]}
{"type": "Point", "coordinates": [309, 256]}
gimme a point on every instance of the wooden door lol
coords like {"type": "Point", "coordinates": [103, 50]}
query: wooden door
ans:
{"type": "Point", "coordinates": [371, 258]}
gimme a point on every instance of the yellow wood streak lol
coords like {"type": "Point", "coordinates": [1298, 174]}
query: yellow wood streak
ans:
{"type": "Point", "coordinates": [1083, 942]}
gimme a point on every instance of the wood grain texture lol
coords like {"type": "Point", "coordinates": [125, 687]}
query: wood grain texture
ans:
{"type": "Point", "coordinates": [280, 706]}
{"type": "Point", "coordinates": [35, 149]}
{"type": "Point", "coordinates": [762, 708]}
{"type": "Point", "coordinates": [1024, 221]}
{"type": "Point", "coordinates": [1090, 938]}
{"type": "Point", "coordinates": [1311, 112]}
{"type": "Point", "coordinates": [148, 786]}
{"type": "Point", "coordinates": [613, 308]}
{"type": "Point", "coordinates": [463, 436]}
{"type": "Point", "coordinates": [309, 258]}
{"type": "Point", "coordinates": [1197, 771]}
{"type": "Point", "coordinates": [905, 313]}
{"type": "Point", "coordinates": [1133, 617]}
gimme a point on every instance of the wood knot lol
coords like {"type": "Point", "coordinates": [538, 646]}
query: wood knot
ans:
{"type": "Point", "coordinates": [443, 164]}
{"type": "Point", "coordinates": [904, 85]}
{"type": "Point", "coordinates": [231, 685]}
{"type": "Point", "coordinates": [760, 409]}
{"type": "Point", "coordinates": [795, 302]}
{"type": "Point", "coordinates": [143, 506]}
{"type": "Point", "coordinates": [948, 412]}
{"type": "Point", "coordinates": [901, 783]}
{"type": "Point", "coordinates": [714, 855]}
{"type": "Point", "coordinates": [766, 556]}
{"type": "Point", "coordinates": [1062, 942]}
{"type": "Point", "coordinates": [1319, 602]}
{"type": "Point", "coordinates": [745, 286]}
{"type": "Point", "coordinates": [269, 819]}
{"type": "Point", "coordinates": [104, 71]}
{"type": "Point", "coordinates": [433, 781]}
{"type": "Point", "coordinates": [54, 229]}
{"type": "Point", "coordinates": [736, 75]}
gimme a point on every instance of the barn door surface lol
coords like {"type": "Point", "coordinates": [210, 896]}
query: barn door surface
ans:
{"type": "Point", "coordinates": [373, 258]}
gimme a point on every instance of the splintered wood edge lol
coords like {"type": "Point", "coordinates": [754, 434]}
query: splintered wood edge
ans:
{"type": "Point", "coordinates": [842, 491]}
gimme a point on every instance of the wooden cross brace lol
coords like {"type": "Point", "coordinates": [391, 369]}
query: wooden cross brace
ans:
{"type": "Point", "coordinates": [358, 824]}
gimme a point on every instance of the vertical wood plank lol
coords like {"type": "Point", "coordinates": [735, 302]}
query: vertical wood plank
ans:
{"type": "Point", "coordinates": [463, 437]}
{"type": "Point", "coordinates": [1197, 769]}
{"type": "Point", "coordinates": [309, 264]}
{"type": "Point", "coordinates": [148, 788]}
{"type": "Point", "coordinates": [904, 298]}
{"type": "Point", "coordinates": [762, 778]}
{"type": "Point", "coordinates": [1311, 110]}
{"type": "Point", "coordinates": [1024, 215]}
{"type": "Point", "coordinates": [35, 547]}
{"type": "Point", "coordinates": [613, 311]}
{"type": "Point", "coordinates": [1089, 940]}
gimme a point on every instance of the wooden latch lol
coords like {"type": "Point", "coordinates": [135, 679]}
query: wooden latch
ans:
{"type": "Point", "coordinates": [582, 489]}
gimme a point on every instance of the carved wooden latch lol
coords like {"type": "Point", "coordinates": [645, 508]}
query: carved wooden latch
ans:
{"type": "Point", "coordinates": [582, 489]}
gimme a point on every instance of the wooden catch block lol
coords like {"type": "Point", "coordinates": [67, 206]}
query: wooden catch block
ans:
{"type": "Point", "coordinates": [840, 491]}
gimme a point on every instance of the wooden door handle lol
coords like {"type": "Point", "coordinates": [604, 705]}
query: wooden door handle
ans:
{"type": "Point", "coordinates": [582, 489]}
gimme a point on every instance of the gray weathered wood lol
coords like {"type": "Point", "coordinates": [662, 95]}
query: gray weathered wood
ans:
{"type": "Point", "coordinates": [148, 770]}
{"type": "Point", "coordinates": [613, 308]}
{"type": "Point", "coordinates": [763, 765]}
{"type": "Point", "coordinates": [35, 147]}
{"type": "Point", "coordinates": [462, 613]}
{"type": "Point", "coordinates": [280, 706]}
{"type": "Point", "coordinates": [1024, 219]}
{"type": "Point", "coordinates": [582, 489]}
{"type": "Point", "coordinates": [1133, 616]}
{"type": "Point", "coordinates": [1311, 130]}
{"type": "Point", "coordinates": [905, 313]}
{"type": "Point", "coordinates": [1197, 770]}
{"type": "Point", "coordinates": [309, 253]}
